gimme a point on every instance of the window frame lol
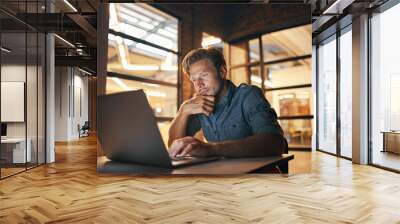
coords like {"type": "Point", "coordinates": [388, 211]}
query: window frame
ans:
{"type": "Point", "coordinates": [177, 85]}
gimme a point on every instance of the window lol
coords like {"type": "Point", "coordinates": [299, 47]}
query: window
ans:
{"type": "Point", "coordinates": [282, 74]}
{"type": "Point", "coordinates": [254, 50]}
{"type": "Point", "coordinates": [209, 40]}
{"type": "Point", "coordinates": [334, 93]}
{"type": "Point", "coordinates": [346, 93]}
{"type": "Point", "coordinates": [327, 96]}
{"type": "Point", "coordinates": [291, 102]}
{"type": "Point", "coordinates": [280, 64]}
{"type": "Point", "coordinates": [255, 76]}
{"type": "Point", "coordinates": [142, 54]}
{"type": "Point", "coordinates": [385, 89]}
{"type": "Point", "coordinates": [161, 98]}
{"type": "Point", "coordinates": [287, 43]}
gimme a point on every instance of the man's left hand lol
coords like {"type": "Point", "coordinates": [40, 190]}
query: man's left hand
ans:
{"type": "Point", "coordinates": [189, 146]}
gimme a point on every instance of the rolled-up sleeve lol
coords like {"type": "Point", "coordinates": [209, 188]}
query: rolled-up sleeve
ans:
{"type": "Point", "coordinates": [259, 114]}
{"type": "Point", "coordinates": [193, 125]}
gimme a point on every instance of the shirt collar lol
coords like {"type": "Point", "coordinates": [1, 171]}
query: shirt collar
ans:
{"type": "Point", "coordinates": [229, 93]}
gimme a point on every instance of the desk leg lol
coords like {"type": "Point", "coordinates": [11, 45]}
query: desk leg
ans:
{"type": "Point", "coordinates": [279, 167]}
{"type": "Point", "coordinates": [283, 167]}
{"type": "Point", "coordinates": [384, 143]}
{"type": "Point", "coordinates": [267, 169]}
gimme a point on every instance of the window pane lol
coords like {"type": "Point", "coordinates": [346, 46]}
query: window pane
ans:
{"type": "Point", "coordinates": [385, 85]}
{"type": "Point", "coordinates": [132, 58]}
{"type": "Point", "coordinates": [145, 22]}
{"type": "Point", "coordinates": [287, 43]}
{"type": "Point", "coordinates": [327, 96]}
{"type": "Point", "coordinates": [287, 74]}
{"type": "Point", "coordinates": [239, 75]}
{"type": "Point", "coordinates": [13, 87]}
{"type": "Point", "coordinates": [291, 102]}
{"type": "Point", "coordinates": [239, 53]}
{"type": "Point", "coordinates": [297, 132]}
{"type": "Point", "coordinates": [345, 94]}
{"type": "Point", "coordinates": [163, 99]}
{"type": "Point", "coordinates": [164, 127]}
{"type": "Point", "coordinates": [255, 76]}
{"type": "Point", "coordinates": [210, 40]}
{"type": "Point", "coordinates": [254, 50]}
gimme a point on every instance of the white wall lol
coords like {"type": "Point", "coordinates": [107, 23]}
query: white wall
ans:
{"type": "Point", "coordinates": [71, 93]}
{"type": "Point", "coordinates": [33, 127]}
{"type": "Point", "coordinates": [61, 103]}
{"type": "Point", "coordinates": [80, 109]}
{"type": "Point", "coordinates": [13, 73]}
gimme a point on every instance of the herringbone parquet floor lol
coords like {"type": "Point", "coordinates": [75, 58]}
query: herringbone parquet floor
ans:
{"type": "Point", "coordinates": [70, 191]}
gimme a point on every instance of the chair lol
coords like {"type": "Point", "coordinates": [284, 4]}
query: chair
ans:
{"type": "Point", "coordinates": [84, 130]}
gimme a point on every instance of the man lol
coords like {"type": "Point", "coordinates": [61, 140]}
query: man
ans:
{"type": "Point", "coordinates": [236, 121]}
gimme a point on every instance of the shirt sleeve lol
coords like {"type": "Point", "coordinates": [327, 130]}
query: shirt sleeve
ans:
{"type": "Point", "coordinates": [193, 125]}
{"type": "Point", "coordinates": [259, 114]}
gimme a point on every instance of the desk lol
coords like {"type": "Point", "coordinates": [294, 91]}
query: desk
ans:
{"type": "Point", "coordinates": [13, 150]}
{"type": "Point", "coordinates": [223, 166]}
{"type": "Point", "coordinates": [391, 141]}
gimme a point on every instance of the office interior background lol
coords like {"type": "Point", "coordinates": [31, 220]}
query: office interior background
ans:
{"type": "Point", "coordinates": [331, 74]}
{"type": "Point", "coordinates": [310, 87]}
{"type": "Point", "coordinates": [48, 82]}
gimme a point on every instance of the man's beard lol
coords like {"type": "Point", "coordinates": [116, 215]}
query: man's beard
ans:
{"type": "Point", "coordinates": [217, 92]}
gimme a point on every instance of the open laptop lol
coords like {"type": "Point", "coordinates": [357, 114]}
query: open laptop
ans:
{"type": "Point", "coordinates": [128, 132]}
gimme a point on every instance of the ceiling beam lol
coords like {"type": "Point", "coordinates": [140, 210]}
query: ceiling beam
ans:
{"type": "Point", "coordinates": [83, 23]}
{"type": "Point", "coordinates": [82, 61]}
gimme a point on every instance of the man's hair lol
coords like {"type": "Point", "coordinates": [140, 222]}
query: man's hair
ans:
{"type": "Point", "coordinates": [211, 53]}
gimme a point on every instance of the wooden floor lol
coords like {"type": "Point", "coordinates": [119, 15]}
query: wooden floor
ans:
{"type": "Point", "coordinates": [70, 191]}
{"type": "Point", "coordinates": [10, 171]}
{"type": "Point", "coordinates": [387, 159]}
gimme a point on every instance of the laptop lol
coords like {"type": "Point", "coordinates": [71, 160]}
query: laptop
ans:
{"type": "Point", "coordinates": [128, 132]}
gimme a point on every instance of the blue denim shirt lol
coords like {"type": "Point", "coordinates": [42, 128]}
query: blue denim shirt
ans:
{"type": "Point", "coordinates": [241, 113]}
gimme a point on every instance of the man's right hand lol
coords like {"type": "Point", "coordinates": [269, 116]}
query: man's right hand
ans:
{"type": "Point", "coordinates": [198, 105]}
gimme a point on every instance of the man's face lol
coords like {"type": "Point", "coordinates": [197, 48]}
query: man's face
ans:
{"type": "Point", "coordinates": [205, 78]}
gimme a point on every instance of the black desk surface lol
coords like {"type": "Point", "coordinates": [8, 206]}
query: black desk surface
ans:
{"type": "Point", "coordinates": [223, 166]}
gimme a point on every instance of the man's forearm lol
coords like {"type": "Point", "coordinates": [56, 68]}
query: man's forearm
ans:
{"type": "Point", "coordinates": [254, 146]}
{"type": "Point", "coordinates": [178, 127]}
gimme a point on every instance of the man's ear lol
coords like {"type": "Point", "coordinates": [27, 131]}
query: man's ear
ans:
{"type": "Point", "coordinates": [222, 72]}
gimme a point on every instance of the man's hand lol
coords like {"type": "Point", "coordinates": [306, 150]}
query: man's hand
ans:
{"type": "Point", "coordinates": [198, 105]}
{"type": "Point", "coordinates": [189, 146]}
